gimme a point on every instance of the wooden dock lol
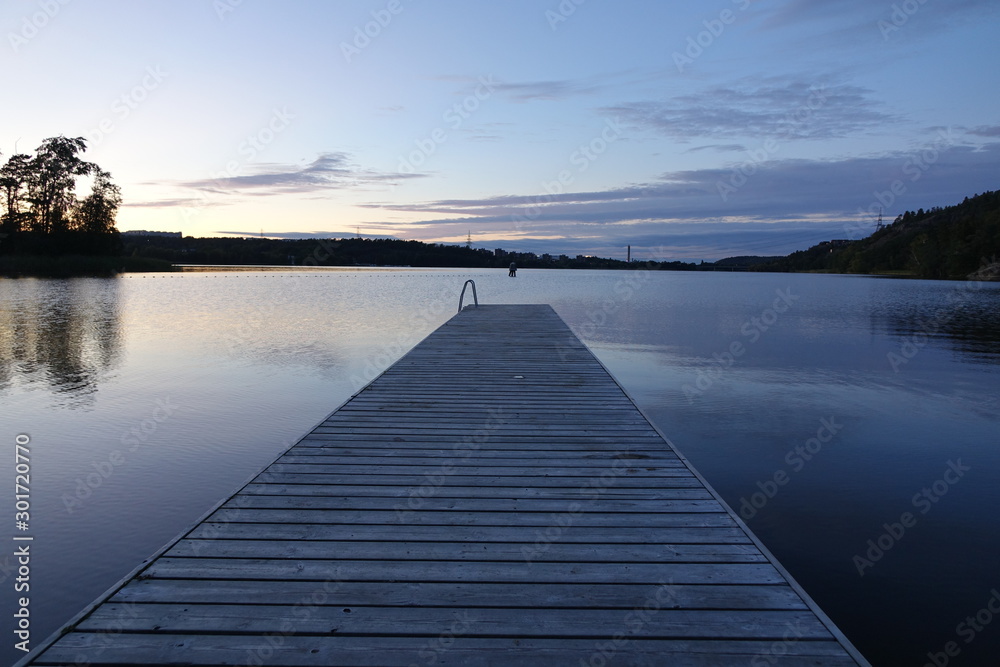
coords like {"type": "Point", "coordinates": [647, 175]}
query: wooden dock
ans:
{"type": "Point", "coordinates": [494, 498]}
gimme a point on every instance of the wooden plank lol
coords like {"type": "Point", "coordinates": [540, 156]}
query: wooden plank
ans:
{"type": "Point", "coordinates": [493, 498]}
{"type": "Point", "coordinates": [493, 457]}
{"type": "Point", "coordinates": [631, 470]}
{"type": "Point", "coordinates": [678, 488]}
{"type": "Point", "coordinates": [707, 517]}
{"type": "Point", "coordinates": [537, 422]}
{"type": "Point", "coordinates": [434, 503]}
{"type": "Point", "coordinates": [483, 551]}
{"type": "Point", "coordinates": [480, 622]}
{"type": "Point", "coordinates": [490, 442]}
{"type": "Point", "coordinates": [726, 534]}
{"type": "Point", "coordinates": [423, 594]}
{"type": "Point", "coordinates": [445, 649]}
{"type": "Point", "coordinates": [510, 481]}
{"type": "Point", "coordinates": [455, 570]}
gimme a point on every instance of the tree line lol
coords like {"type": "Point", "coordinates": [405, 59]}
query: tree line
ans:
{"type": "Point", "coordinates": [381, 252]}
{"type": "Point", "coordinates": [42, 214]}
{"type": "Point", "coordinates": [952, 242]}
{"type": "Point", "coordinates": [341, 252]}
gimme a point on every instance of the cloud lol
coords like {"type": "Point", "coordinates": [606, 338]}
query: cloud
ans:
{"type": "Point", "coordinates": [791, 201]}
{"type": "Point", "coordinates": [830, 14]}
{"type": "Point", "coordinates": [684, 241]}
{"type": "Point", "coordinates": [864, 22]}
{"type": "Point", "coordinates": [166, 203]}
{"type": "Point", "coordinates": [986, 131]}
{"type": "Point", "coordinates": [550, 90]}
{"type": "Point", "coordinates": [329, 171]}
{"type": "Point", "coordinates": [721, 148]}
{"type": "Point", "coordinates": [761, 108]}
{"type": "Point", "coordinates": [293, 236]}
{"type": "Point", "coordinates": [547, 90]}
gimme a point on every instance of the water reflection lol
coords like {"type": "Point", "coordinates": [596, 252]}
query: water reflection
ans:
{"type": "Point", "coordinates": [969, 324]}
{"type": "Point", "coordinates": [65, 334]}
{"type": "Point", "coordinates": [254, 360]}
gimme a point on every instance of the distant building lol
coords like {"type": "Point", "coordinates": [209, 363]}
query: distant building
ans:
{"type": "Point", "coordinates": [143, 232]}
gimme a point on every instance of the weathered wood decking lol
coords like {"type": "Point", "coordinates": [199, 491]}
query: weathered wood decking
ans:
{"type": "Point", "coordinates": [493, 498]}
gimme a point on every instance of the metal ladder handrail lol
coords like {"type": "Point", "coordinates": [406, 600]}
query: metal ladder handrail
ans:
{"type": "Point", "coordinates": [461, 297]}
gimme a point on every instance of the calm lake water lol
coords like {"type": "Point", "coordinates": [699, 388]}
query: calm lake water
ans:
{"type": "Point", "coordinates": [826, 407]}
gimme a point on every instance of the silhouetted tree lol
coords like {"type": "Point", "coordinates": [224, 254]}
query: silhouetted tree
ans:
{"type": "Point", "coordinates": [41, 212]}
{"type": "Point", "coordinates": [96, 214]}
{"type": "Point", "coordinates": [14, 184]}
{"type": "Point", "coordinates": [52, 182]}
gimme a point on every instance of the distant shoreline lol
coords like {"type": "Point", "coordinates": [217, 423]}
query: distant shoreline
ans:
{"type": "Point", "coordinates": [199, 268]}
{"type": "Point", "coordinates": [77, 266]}
{"type": "Point", "coordinates": [81, 266]}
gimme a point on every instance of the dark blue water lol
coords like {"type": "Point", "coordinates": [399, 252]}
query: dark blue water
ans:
{"type": "Point", "coordinates": [854, 420]}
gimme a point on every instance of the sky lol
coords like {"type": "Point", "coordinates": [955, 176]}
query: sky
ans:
{"type": "Point", "coordinates": [688, 130]}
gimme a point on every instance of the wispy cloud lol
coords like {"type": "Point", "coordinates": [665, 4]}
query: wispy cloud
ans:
{"type": "Point", "coordinates": [301, 235]}
{"type": "Point", "coordinates": [720, 148]}
{"type": "Point", "coordinates": [329, 171]}
{"type": "Point", "coordinates": [754, 108]}
{"type": "Point", "coordinates": [547, 90]}
{"type": "Point", "coordinates": [550, 90]}
{"type": "Point", "coordinates": [985, 131]}
{"type": "Point", "coordinates": [166, 203]}
{"type": "Point", "coordinates": [797, 12]}
{"type": "Point", "coordinates": [858, 21]}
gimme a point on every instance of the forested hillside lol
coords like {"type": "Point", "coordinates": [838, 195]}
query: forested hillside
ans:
{"type": "Point", "coordinates": [951, 242]}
